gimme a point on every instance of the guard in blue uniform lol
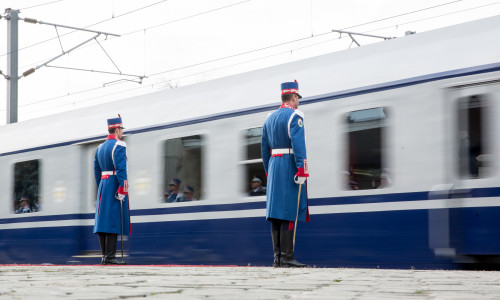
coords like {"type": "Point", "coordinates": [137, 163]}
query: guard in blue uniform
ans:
{"type": "Point", "coordinates": [173, 190]}
{"type": "Point", "coordinates": [110, 168]}
{"type": "Point", "coordinates": [284, 156]}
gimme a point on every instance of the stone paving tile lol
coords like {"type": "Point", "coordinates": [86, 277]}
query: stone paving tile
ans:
{"type": "Point", "coordinates": [140, 282]}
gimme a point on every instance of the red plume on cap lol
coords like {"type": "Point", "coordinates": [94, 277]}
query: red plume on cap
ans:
{"type": "Point", "coordinates": [121, 116]}
{"type": "Point", "coordinates": [295, 80]}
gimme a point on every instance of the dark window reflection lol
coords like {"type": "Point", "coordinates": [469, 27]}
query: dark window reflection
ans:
{"type": "Point", "coordinates": [255, 175]}
{"type": "Point", "coordinates": [474, 159]}
{"type": "Point", "coordinates": [365, 135]}
{"type": "Point", "coordinates": [27, 197]}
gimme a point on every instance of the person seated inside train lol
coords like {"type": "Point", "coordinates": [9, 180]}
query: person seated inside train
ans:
{"type": "Point", "coordinates": [24, 206]}
{"type": "Point", "coordinates": [257, 188]}
{"type": "Point", "coordinates": [173, 190]}
{"type": "Point", "coordinates": [187, 195]}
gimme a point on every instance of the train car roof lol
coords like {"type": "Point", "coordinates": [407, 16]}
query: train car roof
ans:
{"type": "Point", "coordinates": [469, 45]}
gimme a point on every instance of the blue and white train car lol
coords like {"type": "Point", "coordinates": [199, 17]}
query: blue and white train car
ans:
{"type": "Point", "coordinates": [403, 145]}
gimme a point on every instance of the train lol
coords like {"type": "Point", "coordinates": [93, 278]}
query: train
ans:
{"type": "Point", "coordinates": [402, 143]}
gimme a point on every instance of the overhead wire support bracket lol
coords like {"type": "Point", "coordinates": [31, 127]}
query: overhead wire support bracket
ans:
{"type": "Point", "coordinates": [35, 21]}
{"type": "Point", "coordinates": [120, 81]}
{"type": "Point", "coordinates": [108, 56]}
{"type": "Point", "coordinates": [353, 41]}
{"type": "Point", "coordinates": [350, 34]}
{"type": "Point", "coordinates": [97, 34]}
{"type": "Point", "coordinates": [103, 72]}
{"type": "Point", "coordinates": [59, 38]}
{"type": "Point", "coordinates": [32, 70]}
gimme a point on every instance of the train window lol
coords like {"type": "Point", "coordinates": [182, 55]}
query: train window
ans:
{"type": "Point", "coordinates": [27, 197]}
{"type": "Point", "coordinates": [473, 157]}
{"type": "Point", "coordinates": [255, 175]}
{"type": "Point", "coordinates": [183, 160]}
{"type": "Point", "coordinates": [365, 137]}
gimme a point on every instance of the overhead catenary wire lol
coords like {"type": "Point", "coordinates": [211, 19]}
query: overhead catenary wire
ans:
{"type": "Point", "coordinates": [227, 6]}
{"type": "Point", "coordinates": [434, 17]}
{"type": "Point", "coordinates": [239, 54]}
{"type": "Point", "coordinates": [318, 35]}
{"type": "Point", "coordinates": [127, 13]}
{"type": "Point", "coordinates": [323, 42]}
{"type": "Point", "coordinates": [84, 100]}
{"type": "Point", "coordinates": [309, 37]}
{"type": "Point", "coordinates": [38, 5]}
{"type": "Point", "coordinates": [176, 20]}
{"type": "Point", "coordinates": [167, 23]}
{"type": "Point", "coordinates": [106, 20]}
{"type": "Point", "coordinates": [400, 15]}
{"type": "Point", "coordinates": [188, 17]}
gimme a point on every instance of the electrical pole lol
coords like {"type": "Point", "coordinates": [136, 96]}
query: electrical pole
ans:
{"type": "Point", "coordinates": [12, 17]}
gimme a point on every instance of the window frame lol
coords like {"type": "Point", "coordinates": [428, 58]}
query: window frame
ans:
{"type": "Point", "coordinates": [462, 167]}
{"type": "Point", "coordinates": [245, 162]}
{"type": "Point", "coordinates": [12, 192]}
{"type": "Point", "coordinates": [384, 148]}
{"type": "Point", "coordinates": [200, 192]}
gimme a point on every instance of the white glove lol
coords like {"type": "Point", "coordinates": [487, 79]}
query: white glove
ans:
{"type": "Point", "coordinates": [299, 179]}
{"type": "Point", "coordinates": [120, 197]}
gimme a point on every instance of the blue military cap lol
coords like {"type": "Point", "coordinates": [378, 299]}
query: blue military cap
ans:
{"type": "Point", "coordinates": [188, 189]}
{"type": "Point", "coordinates": [290, 88]}
{"type": "Point", "coordinates": [115, 122]}
{"type": "Point", "coordinates": [175, 181]}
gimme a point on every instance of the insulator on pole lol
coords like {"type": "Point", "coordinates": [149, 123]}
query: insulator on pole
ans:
{"type": "Point", "coordinates": [29, 20]}
{"type": "Point", "coordinates": [30, 71]}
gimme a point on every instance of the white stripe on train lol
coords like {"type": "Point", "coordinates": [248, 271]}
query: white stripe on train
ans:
{"type": "Point", "coordinates": [254, 213]}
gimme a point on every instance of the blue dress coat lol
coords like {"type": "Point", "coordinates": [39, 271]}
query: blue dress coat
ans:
{"type": "Point", "coordinates": [284, 128]}
{"type": "Point", "coordinates": [111, 155]}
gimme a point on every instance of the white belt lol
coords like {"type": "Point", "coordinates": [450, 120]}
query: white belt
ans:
{"type": "Point", "coordinates": [108, 173]}
{"type": "Point", "coordinates": [282, 151]}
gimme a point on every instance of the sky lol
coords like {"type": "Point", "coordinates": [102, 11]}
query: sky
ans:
{"type": "Point", "coordinates": [173, 43]}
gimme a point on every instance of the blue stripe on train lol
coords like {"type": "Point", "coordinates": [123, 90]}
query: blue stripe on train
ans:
{"type": "Point", "coordinates": [53, 245]}
{"type": "Point", "coordinates": [384, 239]}
{"type": "Point", "coordinates": [391, 239]}
{"type": "Point", "coordinates": [28, 218]}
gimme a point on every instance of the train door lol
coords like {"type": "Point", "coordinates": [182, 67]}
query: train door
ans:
{"type": "Point", "coordinates": [89, 247]}
{"type": "Point", "coordinates": [474, 197]}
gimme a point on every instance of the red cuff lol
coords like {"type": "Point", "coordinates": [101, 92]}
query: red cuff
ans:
{"type": "Point", "coordinates": [121, 190]}
{"type": "Point", "coordinates": [302, 173]}
{"type": "Point", "coordinates": [266, 175]}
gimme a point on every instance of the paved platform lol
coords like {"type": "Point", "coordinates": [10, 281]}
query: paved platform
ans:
{"type": "Point", "coordinates": [198, 282]}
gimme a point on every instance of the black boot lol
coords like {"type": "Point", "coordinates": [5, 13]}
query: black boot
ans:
{"type": "Point", "coordinates": [286, 244]}
{"type": "Point", "coordinates": [102, 243]}
{"type": "Point", "coordinates": [275, 235]}
{"type": "Point", "coordinates": [110, 254]}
